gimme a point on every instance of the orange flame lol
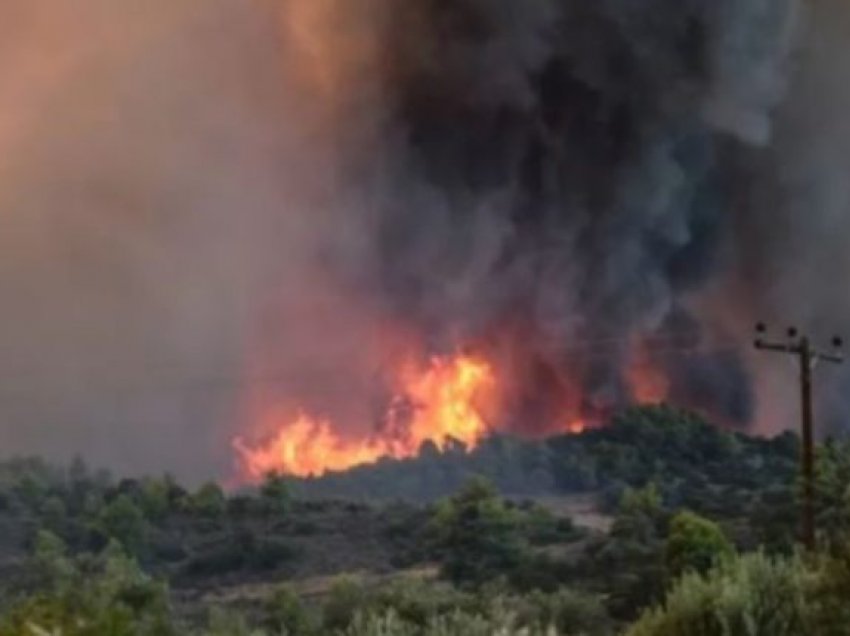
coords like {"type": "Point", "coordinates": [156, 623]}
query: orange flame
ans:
{"type": "Point", "coordinates": [440, 403]}
{"type": "Point", "coordinates": [576, 427]}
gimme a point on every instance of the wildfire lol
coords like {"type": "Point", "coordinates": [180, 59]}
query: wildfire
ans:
{"type": "Point", "coordinates": [445, 399]}
{"type": "Point", "coordinates": [442, 402]}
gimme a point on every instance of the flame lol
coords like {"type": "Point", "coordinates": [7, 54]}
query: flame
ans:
{"type": "Point", "coordinates": [304, 447]}
{"type": "Point", "coordinates": [448, 398]}
{"type": "Point", "coordinates": [441, 403]}
{"type": "Point", "coordinates": [444, 401]}
{"type": "Point", "coordinates": [576, 427]}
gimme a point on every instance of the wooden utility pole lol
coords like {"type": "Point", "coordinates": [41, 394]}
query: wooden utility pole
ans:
{"type": "Point", "coordinates": [801, 347]}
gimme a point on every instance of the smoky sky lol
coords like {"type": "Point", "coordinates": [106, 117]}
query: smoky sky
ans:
{"type": "Point", "coordinates": [210, 205]}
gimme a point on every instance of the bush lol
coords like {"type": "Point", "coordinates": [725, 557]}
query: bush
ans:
{"type": "Point", "coordinates": [270, 554]}
{"type": "Point", "coordinates": [124, 522]}
{"type": "Point", "coordinates": [218, 560]}
{"type": "Point", "coordinates": [89, 596]}
{"type": "Point", "coordinates": [285, 613]}
{"type": "Point", "coordinates": [754, 594]}
{"type": "Point", "coordinates": [155, 498]}
{"type": "Point", "coordinates": [346, 598]}
{"type": "Point", "coordinates": [209, 501]}
{"type": "Point", "coordinates": [694, 543]}
{"type": "Point", "coordinates": [543, 528]}
{"type": "Point", "coordinates": [454, 624]}
{"type": "Point", "coordinates": [275, 495]}
{"type": "Point", "coordinates": [571, 612]}
{"type": "Point", "coordinates": [224, 623]}
{"type": "Point", "coordinates": [478, 537]}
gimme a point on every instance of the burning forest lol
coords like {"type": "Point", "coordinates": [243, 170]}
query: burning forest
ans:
{"type": "Point", "coordinates": [301, 235]}
{"type": "Point", "coordinates": [552, 189]}
{"type": "Point", "coordinates": [424, 317]}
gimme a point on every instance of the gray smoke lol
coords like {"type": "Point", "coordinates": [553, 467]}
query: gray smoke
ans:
{"type": "Point", "coordinates": [571, 164]}
{"type": "Point", "coordinates": [211, 206]}
{"type": "Point", "coordinates": [157, 190]}
{"type": "Point", "coordinates": [791, 229]}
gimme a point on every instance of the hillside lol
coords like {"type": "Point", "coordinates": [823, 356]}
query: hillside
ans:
{"type": "Point", "coordinates": [589, 513]}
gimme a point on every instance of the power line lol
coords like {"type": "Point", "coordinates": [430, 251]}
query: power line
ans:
{"type": "Point", "coordinates": [801, 347]}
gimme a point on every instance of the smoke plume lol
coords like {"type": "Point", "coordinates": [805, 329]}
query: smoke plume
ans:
{"type": "Point", "coordinates": [212, 205]}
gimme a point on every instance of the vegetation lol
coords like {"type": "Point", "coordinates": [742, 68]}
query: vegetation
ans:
{"type": "Point", "coordinates": [697, 537]}
{"type": "Point", "coordinates": [696, 465]}
{"type": "Point", "coordinates": [694, 544]}
{"type": "Point", "coordinates": [478, 537]}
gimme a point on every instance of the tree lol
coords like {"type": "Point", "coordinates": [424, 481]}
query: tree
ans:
{"type": "Point", "coordinates": [155, 498]}
{"type": "Point", "coordinates": [630, 560]}
{"type": "Point", "coordinates": [121, 519]}
{"type": "Point", "coordinates": [50, 560]}
{"type": "Point", "coordinates": [54, 514]}
{"type": "Point", "coordinates": [209, 501]}
{"type": "Point", "coordinates": [478, 536]}
{"type": "Point", "coordinates": [275, 494]}
{"type": "Point", "coordinates": [89, 595]}
{"type": "Point", "coordinates": [832, 491]}
{"type": "Point", "coordinates": [694, 543]}
{"type": "Point", "coordinates": [641, 514]}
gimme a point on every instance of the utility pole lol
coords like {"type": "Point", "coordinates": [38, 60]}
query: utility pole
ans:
{"type": "Point", "coordinates": [800, 346]}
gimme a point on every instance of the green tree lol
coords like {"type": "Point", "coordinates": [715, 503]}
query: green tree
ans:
{"type": "Point", "coordinates": [832, 491]}
{"type": "Point", "coordinates": [122, 520]}
{"type": "Point", "coordinates": [694, 543]}
{"type": "Point", "coordinates": [630, 561]}
{"type": "Point", "coordinates": [478, 536]}
{"type": "Point", "coordinates": [208, 501]}
{"type": "Point", "coordinates": [105, 594]}
{"type": "Point", "coordinates": [50, 560]}
{"type": "Point", "coordinates": [274, 494]}
{"type": "Point", "coordinates": [31, 489]}
{"type": "Point", "coordinates": [54, 514]}
{"type": "Point", "coordinates": [155, 497]}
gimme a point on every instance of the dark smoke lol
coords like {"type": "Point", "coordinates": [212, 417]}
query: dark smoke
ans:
{"type": "Point", "coordinates": [572, 162]}
{"type": "Point", "coordinates": [213, 204]}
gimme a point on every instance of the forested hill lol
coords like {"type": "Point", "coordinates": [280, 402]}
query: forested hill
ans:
{"type": "Point", "coordinates": [685, 455]}
{"type": "Point", "coordinates": [691, 512]}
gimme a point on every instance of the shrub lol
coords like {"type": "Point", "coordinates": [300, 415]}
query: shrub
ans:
{"type": "Point", "coordinates": [478, 536]}
{"type": "Point", "coordinates": [285, 613]}
{"type": "Point", "coordinates": [106, 594]}
{"type": "Point", "coordinates": [275, 495]}
{"type": "Point", "coordinates": [124, 522]}
{"type": "Point", "coordinates": [346, 598]}
{"type": "Point", "coordinates": [694, 543]}
{"type": "Point", "coordinates": [750, 595]}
